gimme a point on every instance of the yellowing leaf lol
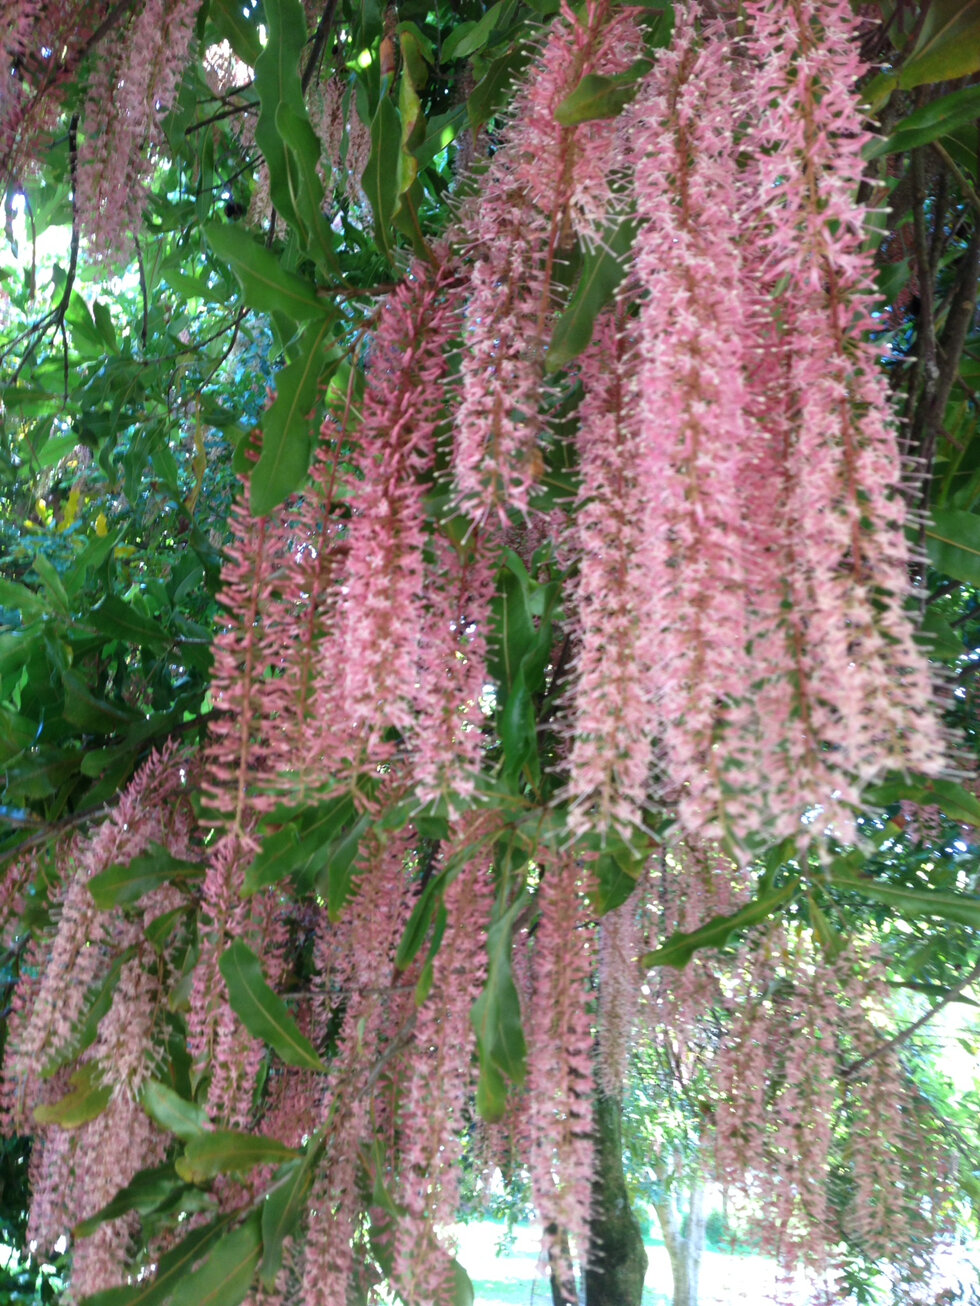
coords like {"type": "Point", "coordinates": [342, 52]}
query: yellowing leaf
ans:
{"type": "Point", "coordinates": [71, 508]}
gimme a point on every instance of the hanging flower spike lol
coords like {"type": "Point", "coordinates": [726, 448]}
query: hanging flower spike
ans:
{"type": "Point", "coordinates": [401, 412]}
{"type": "Point", "coordinates": [308, 735]}
{"type": "Point", "coordinates": [358, 955]}
{"type": "Point", "coordinates": [544, 178]}
{"type": "Point", "coordinates": [241, 774]}
{"type": "Point", "coordinates": [695, 430]}
{"type": "Point", "coordinates": [560, 1075]}
{"type": "Point", "coordinates": [611, 752]}
{"type": "Point", "coordinates": [841, 674]}
{"type": "Point", "coordinates": [134, 82]}
{"type": "Point", "coordinates": [441, 1082]}
{"type": "Point", "coordinates": [447, 736]}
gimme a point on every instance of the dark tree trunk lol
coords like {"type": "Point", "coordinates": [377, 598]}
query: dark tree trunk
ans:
{"type": "Point", "coordinates": [618, 1261]}
{"type": "Point", "coordinates": [563, 1289]}
{"type": "Point", "coordinates": [684, 1248]}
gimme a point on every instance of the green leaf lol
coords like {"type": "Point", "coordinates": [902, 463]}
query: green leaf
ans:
{"type": "Point", "coordinates": [144, 1193]}
{"type": "Point", "coordinates": [287, 429]}
{"type": "Point", "coordinates": [603, 269]}
{"type": "Point", "coordinates": [930, 122]}
{"type": "Point", "coordinates": [463, 1294]}
{"type": "Point", "coordinates": [92, 715]}
{"type": "Point", "coordinates": [496, 1017]}
{"type": "Point", "coordinates": [390, 171]}
{"type": "Point", "coordinates": [228, 1151]}
{"type": "Point", "coordinates": [948, 46]}
{"type": "Point", "coordinates": [88, 1099]}
{"type": "Point", "coordinates": [943, 641]}
{"type": "Point", "coordinates": [681, 947]}
{"type": "Point", "coordinates": [957, 803]}
{"type": "Point", "coordinates": [285, 1204]}
{"type": "Point", "coordinates": [599, 96]}
{"type": "Point", "coordinates": [278, 858]}
{"type": "Point", "coordinates": [266, 285]}
{"type": "Point", "coordinates": [469, 38]}
{"type": "Point", "coordinates": [103, 320]}
{"type": "Point", "coordinates": [284, 134]}
{"type": "Point", "coordinates": [225, 1277]}
{"type": "Point", "coordinates": [492, 89]}
{"type": "Point", "coordinates": [117, 619]}
{"type": "Point", "coordinates": [263, 1012]}
{"type": "Point", "coordinates": [22, 599]}
{"type": "Point", "coordinates": [518, 730]}
{"type": "Point", "coordinates": [228, 17]}
{"type": "Point", "coordinates": [828, 938]}
{"type": "Point", "coordinates": [16, 733]}
{"type": "Point", "coordinates": [334, 880]}
{"type": "Point", "coordinates": [616, 876]}
{"type": "Point", "coordinates": [123, 883]}
{"type": "Point", "coordinates": [171, 1268]}
{"type": "Point", "coordinates": [910, 903]}
{"type": "Point", "coordinates": [300, 843]}
{"type": "Point", "coordinates": [418, 923]}
{"type": "Point", "coordinates": [953, 544]}
{"type": "Point", "coordinates": [52, 582]}
{"type": "Point", "coordinates": [172, 1112]}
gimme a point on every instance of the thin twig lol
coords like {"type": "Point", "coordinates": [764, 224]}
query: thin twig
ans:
{"type": "Point", "coordinates": [969, 194]}
{"type": "Point", "coordinates": [905, 1034]}
{"type": "Point", "coordinates": [54, 319]}
{"type": "Point", "coordinates": [143, 292]}
{"type": "Point", "coordinates": [228, 112]}
{"type": "Point", "coordinates": [319, 41]}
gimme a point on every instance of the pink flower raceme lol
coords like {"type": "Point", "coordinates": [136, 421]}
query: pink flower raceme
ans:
{"type": "Point", "coordinates": [438, 1093]}
{"type": "Point", "coordinates": [135, 81]}
{"type": "Point", "coordinates": [446, 736]}
{"type": "Point", "coordinates": [241, 729]}
{"type": "Point", "coordinates": [695, 436]}
{"type": "Point", "coordinates": [560, 1074]}
{"type": "Point", "coordinates": [546, 178]}
{"type": "Point", "coordinates": [613, 722]}
{"type": "Point", "coordinates": [844, 692]}
{"type": "Point", "coordinates": [400, 415]}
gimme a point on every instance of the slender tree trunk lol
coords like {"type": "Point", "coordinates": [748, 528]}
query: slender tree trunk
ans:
{"type": "Point", "coordinates": [563, 1288]}
{"type": "Point", "coordinates": [618, 1261]}
{"type": "Point", "coordinates": [684, 1249]}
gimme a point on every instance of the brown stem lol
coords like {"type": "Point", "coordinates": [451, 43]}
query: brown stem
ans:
{"type": "Point", "coordinates": [319, 41]}
{"type": "Point", "coordinates": [904, 1035]}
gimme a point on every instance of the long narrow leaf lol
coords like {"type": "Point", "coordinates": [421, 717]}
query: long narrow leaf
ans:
{"type": "Point", "coordinates": [263, 1012]}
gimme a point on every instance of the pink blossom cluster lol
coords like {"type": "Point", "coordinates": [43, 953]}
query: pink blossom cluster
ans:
{"type": "Point", "coordinates": [438, 1095]}
{"type": "Point", "coordinates": [613, 721]}
{"type": "Point", "coordinates": [560, 1052]}
{"type": "Point", "coordinates": [545, 178]}
{"type": "Point", "coordinates": [400, 415]}
{"type": "Point", "coordinates": [756, 469]}
{"type": "Point", "coordinates": [781, 1041]}
{"type": "Point", "coordinates": [75, 1172]}
{"type": "Point", "coordinates": [134, 82]}
{"type": "Point", "coordinates": [41, 43]}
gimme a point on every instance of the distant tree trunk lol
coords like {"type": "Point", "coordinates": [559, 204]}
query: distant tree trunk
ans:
{"type": "Point", "coordinates": [563, 1289]}
{"type": "Point", "coordinates": [618, 1261]}
{"type": "Point", "coordinates": [685, 1249]}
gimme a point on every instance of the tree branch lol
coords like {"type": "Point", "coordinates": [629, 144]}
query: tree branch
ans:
{"type": "Point", "coordinates": [969, 194]}
{"type": "Point", "coordinates": [905, 1034]}
{"type": "Point", "coordinates": [319, 41]}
